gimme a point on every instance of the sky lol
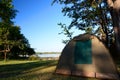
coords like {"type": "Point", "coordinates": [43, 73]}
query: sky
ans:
{"type": "Point", "coordinates": [38, 21]}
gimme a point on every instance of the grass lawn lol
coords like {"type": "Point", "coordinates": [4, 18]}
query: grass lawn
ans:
{"type": "Point", "coordinates": [33, 70]}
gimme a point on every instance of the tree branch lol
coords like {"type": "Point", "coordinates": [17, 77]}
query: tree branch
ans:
{"type": "Point", "coordinates": [110, 3]}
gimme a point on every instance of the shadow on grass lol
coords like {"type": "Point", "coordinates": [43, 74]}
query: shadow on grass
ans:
{"type": "Point", "coordinates": [46, 76]}
{"type": "Point", "coordinates": [18, 69]}
{"type": "Point", "coordinates": [19, 72]}
{"type": "Point", "coordinates": [63, 77]}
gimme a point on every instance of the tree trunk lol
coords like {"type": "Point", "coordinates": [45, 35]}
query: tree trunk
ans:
{"type": "Point", "coordinates": [5, 56]}
{"type": "Point", "coordinates": [116, 27]}
{"type": "Point", "coordinates": [114, 6]}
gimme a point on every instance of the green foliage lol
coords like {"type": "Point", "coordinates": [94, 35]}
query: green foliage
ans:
{"type": "Point", "coordinates": [11, 39]}
{"type": "Point", "coordinates": [7, 11]}
{"type": "Point", "coordinates": [86, 13]}
{"type": "Point", "coordinates": [89, 30]}
{"type": "Point", "coordinates": [81, 13]}
{"type": "Point", "coordinates": [66, 32]}
{"type": "Point", "coordinates": [33, 57]}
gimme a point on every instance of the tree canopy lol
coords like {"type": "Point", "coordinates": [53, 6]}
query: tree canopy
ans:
{"type": "Point", "coordinates": [12, 41]}
{"type": "Point", "coordinates": [7, 11]}
{"type": "Point", "coordinates": [99, 15]}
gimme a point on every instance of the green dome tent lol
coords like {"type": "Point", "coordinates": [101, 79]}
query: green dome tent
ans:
{"type": "Point", "coordinates": [85, 55]}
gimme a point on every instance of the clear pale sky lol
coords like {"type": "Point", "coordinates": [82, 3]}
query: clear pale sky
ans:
{"type": "Point", "coordinates": [38, 21]}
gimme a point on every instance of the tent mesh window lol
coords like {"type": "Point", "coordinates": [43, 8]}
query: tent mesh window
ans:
{"type": "Point", "coordinates": [83, 52]}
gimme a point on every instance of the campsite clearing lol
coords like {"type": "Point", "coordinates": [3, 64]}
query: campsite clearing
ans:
{"type": "Point", "coordinates": [33, 70]}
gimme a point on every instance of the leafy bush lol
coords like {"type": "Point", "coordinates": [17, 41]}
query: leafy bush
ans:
{"type": "Point", "coordinates": [33, 57]}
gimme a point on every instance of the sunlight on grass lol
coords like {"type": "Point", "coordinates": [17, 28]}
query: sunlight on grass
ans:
{"type": "Point", "coordinates": [14, 62]}
{"type": "Point", "coordinates": [32, 70]}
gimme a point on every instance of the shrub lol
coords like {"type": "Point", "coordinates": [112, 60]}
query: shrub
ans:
{"type": "Point", "coordinates": [33, 57]}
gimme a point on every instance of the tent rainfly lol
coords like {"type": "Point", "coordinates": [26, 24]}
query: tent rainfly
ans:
{"type": "Point", "coordinates": [86, 56]}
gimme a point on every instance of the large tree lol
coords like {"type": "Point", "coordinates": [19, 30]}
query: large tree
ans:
{"type": "Point", "coordinates": [22, 46]}
{"type": "Point", "coordinates": [10, 39]}
{"type": "Point", "coordinates": [100, 14]}
{"type": "Point", "coordinates": [10, 35]}
{"type": "Point", "coordinates": [7, 13]}
{"type": "Point", "coordinates": [114, 8]}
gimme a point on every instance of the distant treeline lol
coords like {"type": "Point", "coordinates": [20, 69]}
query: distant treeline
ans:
{"type": "Point", "coordinates": [48, 52]}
